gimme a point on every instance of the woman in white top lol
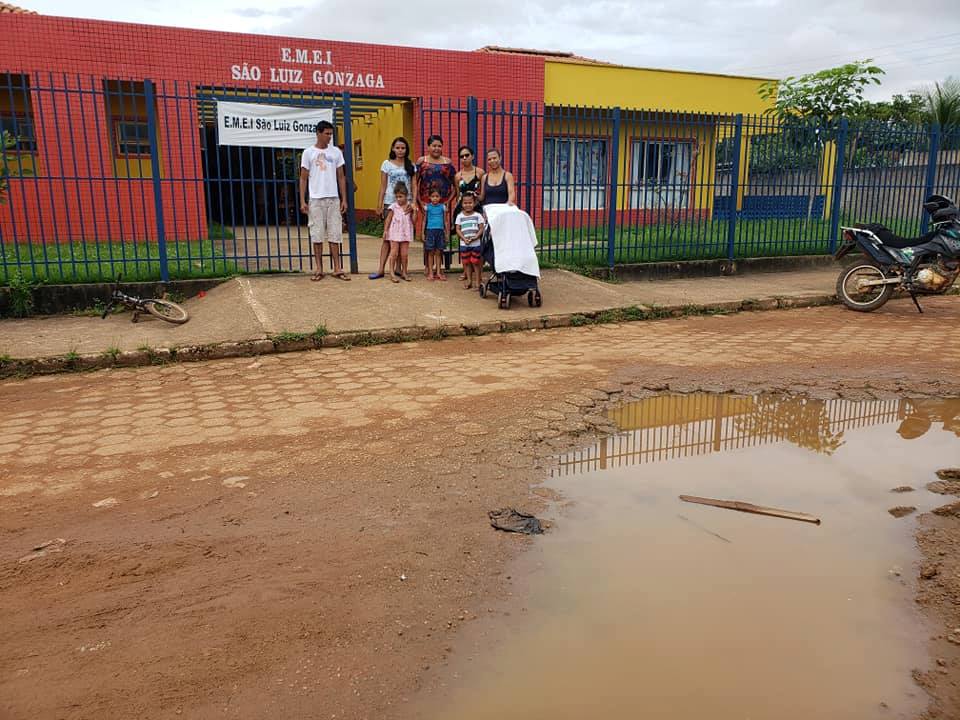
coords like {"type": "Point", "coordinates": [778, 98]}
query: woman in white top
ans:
{"type": "Point", "coordinates": [397, 168]}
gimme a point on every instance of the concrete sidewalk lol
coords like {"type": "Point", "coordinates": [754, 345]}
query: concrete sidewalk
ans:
{"type": "Point", "coordinates": [262, 307]}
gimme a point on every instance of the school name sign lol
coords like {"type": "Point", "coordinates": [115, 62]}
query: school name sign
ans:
{"type": "Point", "coordinates": [308, 67]}
{"type": "Point", "coordinates": [279, 126]}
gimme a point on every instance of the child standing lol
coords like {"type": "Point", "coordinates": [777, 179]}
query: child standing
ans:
{"type": "Point", "coordinates": [398, 231]}
{"type": "Point", "coordinates": [435, 237]}
{"type": "Point", "coordinates": [469, 224]}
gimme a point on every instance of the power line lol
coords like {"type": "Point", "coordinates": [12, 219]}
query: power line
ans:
{"type": "Point", "coordinates": [939, 57]}
{"type": "Point", "coordinates": [862, 51]}
{"type": "Point", "coordinates": [849, 54]}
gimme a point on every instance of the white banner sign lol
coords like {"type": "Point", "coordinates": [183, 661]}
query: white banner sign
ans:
{"type": "Point", "coordinates": [251, 124]}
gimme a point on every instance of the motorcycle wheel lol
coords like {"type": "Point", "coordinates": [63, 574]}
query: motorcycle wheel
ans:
{"type": "Point", "coordinates": [863, 299]}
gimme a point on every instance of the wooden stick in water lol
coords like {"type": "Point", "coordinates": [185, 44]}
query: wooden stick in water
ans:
{"type": "Point", "coordinates": [751, 508]}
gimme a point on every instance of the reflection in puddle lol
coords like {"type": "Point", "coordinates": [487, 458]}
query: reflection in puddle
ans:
{"type": "Point", "coordinates": [638, 605]}
{"type": "Point", "coordinates": [675, 426]}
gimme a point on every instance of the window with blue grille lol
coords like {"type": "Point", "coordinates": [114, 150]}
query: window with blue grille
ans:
{"type": "Point", "coordinates": [660, 174]}
{"type": "Point", "coordinates": [21, 130]}
{"type": "Point", "coordinates": [131, 138]}
{"type": "Point", "coordinates": [574, 173]}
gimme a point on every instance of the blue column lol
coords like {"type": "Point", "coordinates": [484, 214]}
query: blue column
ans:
{"type": "Point", "coordinates": [472, 126]}
{"type": "Point", "coordinates": [931, 180]}
{"type": "Point", "coordinates": [614, 161]}
{"type": "Point", "coordinates": [348, 171]}
{"type": "Point", "coordinates": [734, 187]}
{"type": "Point", "coordinates": [837, 186]}
{"type": "Point", "coordinates": [149, 99]}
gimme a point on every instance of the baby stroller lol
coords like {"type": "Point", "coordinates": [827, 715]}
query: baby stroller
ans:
{"type": "Point", "coordinates": [508, 244]}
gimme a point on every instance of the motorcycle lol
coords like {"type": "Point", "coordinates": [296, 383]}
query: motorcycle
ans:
{"type": "Point", "coordinates": [925, 265]}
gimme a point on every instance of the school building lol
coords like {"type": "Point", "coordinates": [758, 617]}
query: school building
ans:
{"type": "Point", "coordinates": [116, 126]}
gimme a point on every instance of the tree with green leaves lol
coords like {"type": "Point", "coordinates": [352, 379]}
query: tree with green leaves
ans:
{"type": "Point", "coordinates": [809, 106]}
{"type": "Point", "coordinates": [824, 95]}
{"type": "Point", "coordinates": [899, 110]}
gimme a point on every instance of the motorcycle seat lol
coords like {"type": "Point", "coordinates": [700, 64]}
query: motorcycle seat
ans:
{"type": "Point", "coordinates": [891, 239]}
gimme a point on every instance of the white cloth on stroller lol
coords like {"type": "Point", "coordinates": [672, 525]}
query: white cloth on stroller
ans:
{"type": "Point", "coordinates": [514, 239]}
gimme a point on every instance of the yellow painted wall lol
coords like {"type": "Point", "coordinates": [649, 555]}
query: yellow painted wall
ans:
{"type": "Point", "coordinates": [375, 136]}
{"type": "Point", "coordinates": [701, 134]}
{"type": "Point", "coordinates": [126, 102]}
{"type": "Point", "coordinates": [638, 88]}
{"type": "Point", "coordinates": [828, 164]}
{"type": "Point", "coordinates": [605, 86]}
{"type": "Point", "coordinates": [15, 101]}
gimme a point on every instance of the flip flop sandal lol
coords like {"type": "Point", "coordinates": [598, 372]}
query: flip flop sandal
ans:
{"type": "Point", "coordinates": [316, 277]}
{"type": "Point", "coordinates": [374, 276]}
{"type": "Point", "coordinates": [342, 276]}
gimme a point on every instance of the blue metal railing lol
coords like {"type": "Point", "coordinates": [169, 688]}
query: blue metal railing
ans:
{"type": "Point", "coordinates": [128, 175]}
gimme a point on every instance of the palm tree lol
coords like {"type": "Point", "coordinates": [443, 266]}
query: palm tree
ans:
{"type": "Point", "coordinates": [942, 104]}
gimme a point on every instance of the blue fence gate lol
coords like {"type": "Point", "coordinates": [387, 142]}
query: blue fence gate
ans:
{"type": "Point", "coordinates": [107, 176]}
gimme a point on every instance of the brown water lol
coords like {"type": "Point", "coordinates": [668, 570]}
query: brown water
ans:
{"type": "Point", "coordinates": [632, 606]}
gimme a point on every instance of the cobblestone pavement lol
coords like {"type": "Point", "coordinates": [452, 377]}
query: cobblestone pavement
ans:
{"type": "Point", "coordinates": [235, 532]}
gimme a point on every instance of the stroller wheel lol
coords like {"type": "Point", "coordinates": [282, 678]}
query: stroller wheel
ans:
{"type": "Point", "coordinates": [537, 298]}
{"type": "Point", "coordinates": [530, 299]}
{"type": "Point", "coordinates": [503, 301]}
{"type": "Point", "coordinates": [483, 290]}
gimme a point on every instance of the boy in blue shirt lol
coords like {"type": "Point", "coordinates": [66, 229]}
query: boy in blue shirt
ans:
{"type": "Point", "coordinates": [435, 237]}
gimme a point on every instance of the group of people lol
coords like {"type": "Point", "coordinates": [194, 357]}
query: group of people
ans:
{"type": "Point", "coordinates": [428, 200]}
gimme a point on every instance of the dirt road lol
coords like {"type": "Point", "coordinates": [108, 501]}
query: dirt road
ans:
{"type": "Point", "coordinates": [301, 535]}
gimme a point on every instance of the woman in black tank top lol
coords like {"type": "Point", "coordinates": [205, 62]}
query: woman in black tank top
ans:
{"type": "Point", "coordinates": [497, 185]}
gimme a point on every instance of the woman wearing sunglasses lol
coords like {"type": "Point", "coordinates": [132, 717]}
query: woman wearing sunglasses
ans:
{"type": "Point", "coordinates": [467, 180]}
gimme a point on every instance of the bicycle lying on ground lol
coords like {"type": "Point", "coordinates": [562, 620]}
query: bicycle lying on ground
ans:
{"type": "Point", "coordinates": [158, 307]}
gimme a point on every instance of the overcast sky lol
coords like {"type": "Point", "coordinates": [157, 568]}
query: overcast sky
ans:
{"type": "Point", "coordinates": [916, 42]}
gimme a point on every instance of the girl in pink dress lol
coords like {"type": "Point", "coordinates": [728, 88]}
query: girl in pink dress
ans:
{"type": "Point", "coordinates": [398, 231]}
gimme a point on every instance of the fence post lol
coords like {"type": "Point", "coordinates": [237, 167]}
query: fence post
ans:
{"type": "Point", "coordinates": [149, 100]}
{"type": "Point", "coordinates": [931, 173]}
{"type": "Point", "coordinates": [734, 186]}
{"type": "Point", "coordinates": [348, 171]}
{"type": "Point", "coordinates": [837, 185]}
{"type": "Point", "coordinates": [529, 167]}
{"type": "Point", "coordinates": [614, 182]}
{"type": "Point", "coordinates": [472, 124]}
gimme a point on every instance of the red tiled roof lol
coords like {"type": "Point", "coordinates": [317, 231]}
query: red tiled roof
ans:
{"type": "Point", "coordinates": [550, 55]}
{"type": "Point", "coordinates": [14, 10]}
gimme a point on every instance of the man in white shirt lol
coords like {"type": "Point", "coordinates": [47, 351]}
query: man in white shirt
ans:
{"type": "Point", "coordinates": [321, 170]}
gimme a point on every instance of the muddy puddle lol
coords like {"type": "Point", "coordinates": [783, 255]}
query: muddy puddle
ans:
{"type": "Point", "coordinates": [636, 604]}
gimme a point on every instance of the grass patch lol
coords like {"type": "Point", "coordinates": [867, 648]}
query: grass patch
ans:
{"type": "Point", "coordinates": [287, 336]}
{"type": "Point", "coordinates": [154, 357]}
{"type": "Point", "coordinates": [370, 226]}
{"type": "Point", "coordinates": [318, 333]}
{"type": "Point", "coordinates": [102, 261]}
{"type": "Point", "coordinates": [216, 231]}
{"type": "Point", "coordinates": [21, 295]}
{"type": "Point", "coordinates": [580, 248]}
{"type": "Point", "coordinates": [111, 352]}
{"type": "Point", "coordinates": [367, 339]}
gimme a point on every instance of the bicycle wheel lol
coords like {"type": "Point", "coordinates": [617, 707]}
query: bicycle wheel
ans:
{"type": "Point", "coordinates": [166, 310]}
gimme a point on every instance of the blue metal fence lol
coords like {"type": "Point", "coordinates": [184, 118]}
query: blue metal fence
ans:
{"type": "Point", "coordinates": [607, 186]}
{"type": "Point", "coordinates": [105, 176]}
